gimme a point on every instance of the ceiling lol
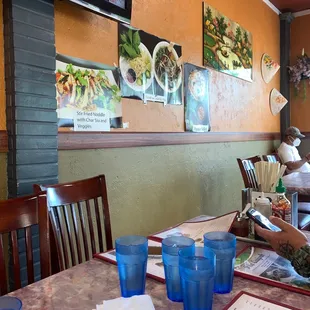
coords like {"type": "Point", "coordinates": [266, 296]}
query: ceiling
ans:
{"type": "Point", "coordinates": [291, 5]}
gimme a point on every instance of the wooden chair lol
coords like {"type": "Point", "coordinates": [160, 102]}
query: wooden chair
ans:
{"type": "Point", "coordinates": [76, 220]}
{"type": "Point", "coordinates": [272, 158]}
{"type": "Point", "coordinates": [22, 213]}
{"type": "Point", "coordinates": [303, 221]}
{"type": "Point", "coordinates": [247, 170]}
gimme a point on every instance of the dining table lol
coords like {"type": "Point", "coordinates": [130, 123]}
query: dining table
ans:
{"type": "Point", "coordinates": [298, 182]}
{"type": "Point", "coordinates": [84, 286]}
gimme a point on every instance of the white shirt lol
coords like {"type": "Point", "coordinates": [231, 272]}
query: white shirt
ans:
{"type": "Point", "coordinates": [289, 153]}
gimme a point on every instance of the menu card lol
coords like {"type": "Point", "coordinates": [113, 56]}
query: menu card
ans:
{"type": "Point", "coordinates": [197, 229]}
{"type": "Point", "coordinates": [246, 301]}
{"type": "Point", "coordinates": [266, 266]}
{"type": "Point", "coordinates": [155, 266]}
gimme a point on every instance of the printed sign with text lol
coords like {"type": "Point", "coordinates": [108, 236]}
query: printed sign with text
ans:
{"type": "Point", "coordinates": [92, 121]}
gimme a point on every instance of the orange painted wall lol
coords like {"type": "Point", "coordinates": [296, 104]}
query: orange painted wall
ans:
{"type": "Point", "coordinates": [236, 105]}
{"type": "Point", "coordinates": [300, 107]}
{"type": "Point", "coordinates": [2, 83]}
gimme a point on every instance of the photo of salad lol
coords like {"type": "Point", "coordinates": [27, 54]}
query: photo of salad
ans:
{"type": "Point", "coordinates": [135, 61]}
{"type": "Point", "coordinates": [168, 71]}
{"type": "Point", "coordinates": [85, 89]}
{"type": "Point", "coordinates": [86, 86]}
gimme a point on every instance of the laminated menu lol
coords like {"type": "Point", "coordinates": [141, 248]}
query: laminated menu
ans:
{"type": "Point", "coordinates": [246, 301]}
{"type": "Point", "coordinates": [196, 229]}
{"type": "Point", "coordinates": [155, 266]}
{"type": "Point", "coordinates": [266, 266]}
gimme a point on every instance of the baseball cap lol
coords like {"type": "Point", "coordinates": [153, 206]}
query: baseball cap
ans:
{"type": "Point", "coordinates": [294, 132]}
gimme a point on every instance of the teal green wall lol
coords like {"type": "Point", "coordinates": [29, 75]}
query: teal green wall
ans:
{"type": "Point", "coordinates": [151, 188]}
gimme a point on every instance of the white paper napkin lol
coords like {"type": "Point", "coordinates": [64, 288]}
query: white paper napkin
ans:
{"type": "Point", "coordinates": [141, 302]}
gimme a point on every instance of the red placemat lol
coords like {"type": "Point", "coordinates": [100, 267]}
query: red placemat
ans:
{"type": "Point", "coordinates": [251, 301]}
{"type": "Point", "coordinates": [266, 266]}
{"type": "Point", "coordinates": [155, 266]}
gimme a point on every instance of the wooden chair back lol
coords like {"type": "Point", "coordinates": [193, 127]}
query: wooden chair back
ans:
{"type": "Point", "coordinates": [247, 170]}
{"type": "Point", "coordinates": [78, 211]}
{"type": "Point", "coordinates": [272, 158]}
{"type": "Point", "coordinates": [20, 214]}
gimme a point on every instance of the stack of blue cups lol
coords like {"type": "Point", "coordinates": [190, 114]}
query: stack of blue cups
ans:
{"type": "Point", "coordinates": [197, 271]}
{"type": "Point", "coordinates": [170, 252]}
{"type": "Point", "coordinates": [223, 244]}
{"type": "Point", "coordinates": [192, 273]}
{"type": "Point", "coordinates": [131, 257]}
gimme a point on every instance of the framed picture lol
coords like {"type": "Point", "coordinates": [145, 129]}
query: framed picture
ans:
{"type": "Point", "coordinates": [88, 95]}
{"type": "Point", "coordinates": [116, 9]}
{"type": "Point", "coordinates": [227, 47]}
{"type": "Point", "coordinates": [150, 67]}
{"type": "Point", "coordinates": [196, 98]}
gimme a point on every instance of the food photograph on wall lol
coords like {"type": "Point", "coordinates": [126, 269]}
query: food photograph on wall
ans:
{"type": "Point", "coordinates": [150, 67]}
{"type": "Point", "coordinates": [227, 47]}
{"type": "Point", "coordinates": [196, 98]}
{"type": "Point", "coordinates": [88, 95]}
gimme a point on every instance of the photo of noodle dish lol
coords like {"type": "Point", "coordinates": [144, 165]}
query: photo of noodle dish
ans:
{"type": "Point", "coordinates": [196, 98]}
{"type": "Point", "coordinates": [83, 89]}
{"type": "Point", "coordinates": [168, 70]}
{"type": "Point", "coordinates": [135, 61]}
{"type": "Point", "coordinates": [197, 84]}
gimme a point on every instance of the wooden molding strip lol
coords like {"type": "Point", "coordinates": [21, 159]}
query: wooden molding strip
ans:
{"type": "Point", "coordinates": [99, 140]}
{"type": "Point", "coordinates": [3, 141]}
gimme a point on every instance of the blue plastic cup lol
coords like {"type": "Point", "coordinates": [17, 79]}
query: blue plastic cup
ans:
{"type": "Point", "coordinates": [197, 271]}
{"type": "Point", "coordinates": [170, 252]}
{"type": "Point", "coordinates": [131, 257]}
{"type": "Point", "coordinates": [10, 303]}
{"type": "Point", "coordinates": [223, 244]}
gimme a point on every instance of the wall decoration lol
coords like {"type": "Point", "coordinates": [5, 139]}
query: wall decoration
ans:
{"type": "Point", "coordinates": [88, 96]}
{"type": "Point", "coordinates": [119, 10]}
{"type": "Point", "coordinates": [196, 98]}
{"type": "Point", "coordinates": [269, 68]}
{"type": "Point", "coordinates": [227, 47]}
{"type": "Point", "coordinates": [300, 72]}
{"type": "Point", "coordinates": [151, 68]}
{"type": "Point", "coordinates": [277, 101]}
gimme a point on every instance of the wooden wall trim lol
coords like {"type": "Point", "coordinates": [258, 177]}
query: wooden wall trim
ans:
{"type": "Point", "coordinates": [3, 141]}
{"type": "Point", "coordinates": [98, 140]}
